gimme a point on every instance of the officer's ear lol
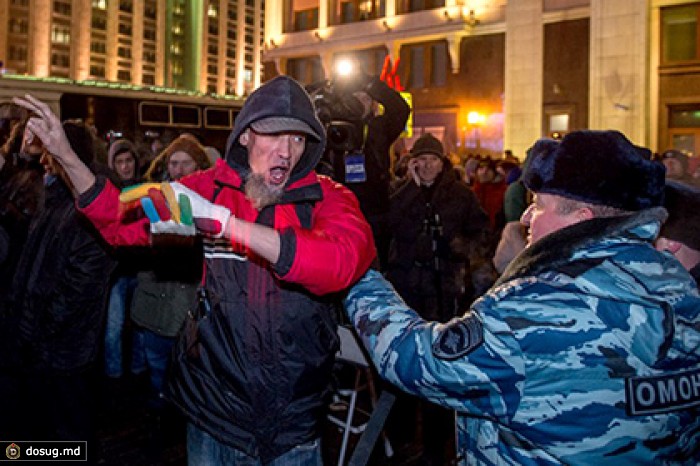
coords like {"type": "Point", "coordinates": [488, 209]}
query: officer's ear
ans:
{"type": "Point", "coordinates": [667, 244]}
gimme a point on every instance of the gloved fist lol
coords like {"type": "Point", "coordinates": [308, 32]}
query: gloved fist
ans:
{"type": "Point", "coordinates": [209, 218]}
{"type": "Point", "coordinates": [175, 209]}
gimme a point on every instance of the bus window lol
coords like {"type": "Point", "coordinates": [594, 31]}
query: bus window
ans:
{"type": "Point", "coordinates": [186, 116]}
{"type": "Point", "coordinates": [219, 118]}
{"type": "Point", "coordinates": [154, 113]}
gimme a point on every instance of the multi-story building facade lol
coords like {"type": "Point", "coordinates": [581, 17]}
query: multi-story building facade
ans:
{"type": "Point", "coordinates": [206, 46]}
{"type": "Point", "coordinates": [528, 68]}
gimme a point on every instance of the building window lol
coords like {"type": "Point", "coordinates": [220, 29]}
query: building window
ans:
{"type": "Point", "coordinates": [149, 34]}
{"type": "Point", "coordinates": [62, 8]}
{"type": "Point", "coordinates": [19, 26]}
{"type": "Point", "coordinates": [99, 23]}
{"type": "Point", "coordinates": [98, 47]}
{"type": "Point", "coordinates": [409, 6]}
{"type": "Point", "coordinates": [248, 75]}
{"type": "Point", "coordinates": [124, 75]}
{"type": "Point", "coordinates": [149, 79]}
{"type": "Point", "coordinates": [17, 53]}
{"type": "Point", "coordinates": [679, 33]}
{"type": "Point", "coordinates": [126, 6]}
{"type": "Point", "coordinates": [125, 29]}
{"type": "Point", "coordinates": [212, 11]}
{"type": "Point", "coordinates": [213, 49]}
{"type": "Point", "coordinates": [124, 52]}
{"type": "Point", "coordinates": [97, 71]}
{"type": "Point", "coordinates": [60, 60]}
{"type": "Point", "coordinates": [213, 28]}
{"type": "Point", "coordinates": [212, 69]}
{"type": "Point", "coordinates": [60, 34]}
{"type": "Point", "coordinates": [438, 64]}
{"type": "Point", "coordinates": [150, 11]}
{"type": "Point", "coordinates": [99, 4]}
{"type": "Point", "coordinates": [417, 59]}
{"type": "Point", "coordinates": [306, 19]}
{"type": "Point", "coordinates": [305, 70]}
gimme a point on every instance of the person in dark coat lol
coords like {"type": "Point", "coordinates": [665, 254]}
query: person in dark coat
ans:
{"type": "Point", "coordinates": [437, 226]}
{"type": "Point", "coordinates": [58, 295]}
{"type": "Point", "coordinates": [21, 195]}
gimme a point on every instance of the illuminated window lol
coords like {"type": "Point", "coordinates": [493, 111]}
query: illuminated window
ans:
{"type": "Point", "coordinates": [679, 30]}
{"type": "Point", "coordinates": [99, 4]}
{"type": "Point", "coordinates": [60, 34]}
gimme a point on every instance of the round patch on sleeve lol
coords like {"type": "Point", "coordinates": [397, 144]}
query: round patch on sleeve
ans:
{"type": "Point", "coordinates": [459, 337]}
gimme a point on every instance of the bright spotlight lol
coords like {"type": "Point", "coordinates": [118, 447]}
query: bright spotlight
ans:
{"type": "Point", "coordinates": [344, 67]}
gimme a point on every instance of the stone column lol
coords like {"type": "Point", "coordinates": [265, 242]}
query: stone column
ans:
{"type": "Point", "coordinates": [619, 81]}
{"type": "Point", "coordinates": [524, 74]}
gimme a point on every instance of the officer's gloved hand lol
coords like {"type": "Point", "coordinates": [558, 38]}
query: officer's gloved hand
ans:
{"type": "Point", "coordinates": [172, 208]}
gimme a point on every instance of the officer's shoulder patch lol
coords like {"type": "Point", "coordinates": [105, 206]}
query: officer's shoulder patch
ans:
{"type": "Point", "coordinates": [458, 337]}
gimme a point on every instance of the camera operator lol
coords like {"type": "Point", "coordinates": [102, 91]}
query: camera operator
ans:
{"type": "Point", "coordinates": [359, 140]}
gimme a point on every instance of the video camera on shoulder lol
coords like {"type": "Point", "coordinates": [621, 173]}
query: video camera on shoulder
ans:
{"type": "Point", "coordinates": [341, 114]}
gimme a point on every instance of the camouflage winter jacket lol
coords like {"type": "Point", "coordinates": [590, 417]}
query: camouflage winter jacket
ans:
{"type": "Point", "coordinates": [585, 352]}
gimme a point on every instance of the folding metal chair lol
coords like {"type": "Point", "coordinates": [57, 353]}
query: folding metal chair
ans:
{"type": "Point", "coordinates": [344, 406]}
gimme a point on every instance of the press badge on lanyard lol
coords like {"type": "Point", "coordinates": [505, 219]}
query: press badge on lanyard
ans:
{"type": "Point", "coordinates": [355, 171]}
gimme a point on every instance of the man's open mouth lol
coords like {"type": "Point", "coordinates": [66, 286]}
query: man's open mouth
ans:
{"type": "Point", "coordinates": [278, 174]}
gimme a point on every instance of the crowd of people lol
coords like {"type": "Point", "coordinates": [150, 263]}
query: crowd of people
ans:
{"type": "Point", "coordinates": [532, 313]}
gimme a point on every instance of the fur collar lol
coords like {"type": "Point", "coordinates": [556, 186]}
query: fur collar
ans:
{"type": "Point", "coordinates": [558, 248]}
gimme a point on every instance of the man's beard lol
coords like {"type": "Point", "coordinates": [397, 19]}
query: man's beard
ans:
{"type": "Point", "coordinates": [260, 193]}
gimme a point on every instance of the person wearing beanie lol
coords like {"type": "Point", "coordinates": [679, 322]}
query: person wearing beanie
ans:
{"type": "Point", "coordinates": [436, 225]}
{"type": "Point", "coordinates": [181, 157]}
{"type": "Point", "coordinates": [680, 234]}
{"type": "Point", "coordinates": [676, 163]}
{"type": "Point", "coordinates": [58, 296]}
{"type": "Point", "coordinates": [122, 158]}
{"type": "Point", "coordinates": [587, 349]}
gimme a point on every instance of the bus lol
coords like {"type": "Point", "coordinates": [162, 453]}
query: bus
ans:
{"type": "Point", "coordinates": [139, 113]}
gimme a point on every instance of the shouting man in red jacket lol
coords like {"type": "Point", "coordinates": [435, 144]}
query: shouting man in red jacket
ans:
{"type": "Point", "coordinates": [251, 374]}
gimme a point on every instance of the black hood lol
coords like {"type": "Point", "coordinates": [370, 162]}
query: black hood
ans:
{"type": "Point", "coordinates": [285, 97]}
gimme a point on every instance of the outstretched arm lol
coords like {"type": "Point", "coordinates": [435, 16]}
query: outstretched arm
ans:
{"type": "Point", "coordinates": [47, 127]}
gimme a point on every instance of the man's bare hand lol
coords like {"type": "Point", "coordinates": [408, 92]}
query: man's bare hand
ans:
{"type": "Point", "coordinates": [413, 170]}
{"type": "Point", "coordinates": [47, 127]}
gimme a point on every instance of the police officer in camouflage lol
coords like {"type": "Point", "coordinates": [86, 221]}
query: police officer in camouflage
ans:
{"type": "Point", "coordinates": [587, 349]}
